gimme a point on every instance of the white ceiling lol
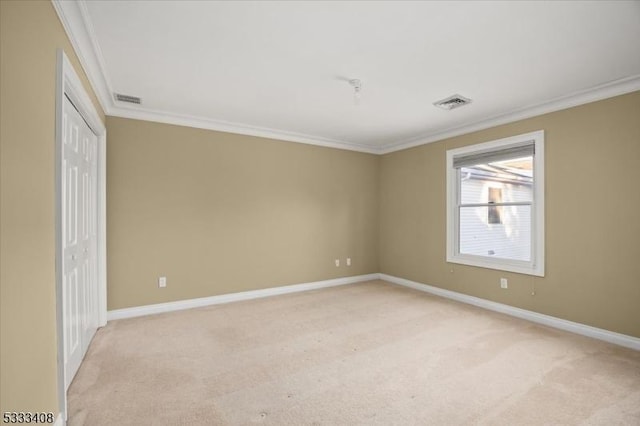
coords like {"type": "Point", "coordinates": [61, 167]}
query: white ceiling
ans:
{"type": "Point", "coordinates": [280, 69]}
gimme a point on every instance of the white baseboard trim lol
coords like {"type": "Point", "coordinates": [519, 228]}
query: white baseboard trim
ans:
{"type": "Point", "coordinates": [59, 420]}
{"type": "Point", "coordinates": [574, 327]}
{"type": "Point", "coordinates": [233, 297]}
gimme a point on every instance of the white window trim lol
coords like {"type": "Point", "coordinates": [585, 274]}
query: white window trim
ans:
{"type": "Point", "coordinates": [536, 265]}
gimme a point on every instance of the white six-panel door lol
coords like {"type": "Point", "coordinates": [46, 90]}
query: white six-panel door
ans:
{"type": "Point", "coordinates": [79, 238]}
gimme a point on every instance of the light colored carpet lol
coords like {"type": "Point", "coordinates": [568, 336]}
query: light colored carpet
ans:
{"type": "Point", "coordinates": [369, 353]}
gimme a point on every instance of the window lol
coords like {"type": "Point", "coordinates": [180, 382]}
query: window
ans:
{"type": "Point", "coordinates": [495, 204]}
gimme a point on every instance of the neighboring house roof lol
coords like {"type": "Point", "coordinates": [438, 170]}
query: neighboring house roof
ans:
{"type": "Point", "coordinates": [513, 172]}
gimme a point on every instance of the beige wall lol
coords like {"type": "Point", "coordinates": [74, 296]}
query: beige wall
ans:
{"type": "Point", "coordinates": [30, 32]}
{"type": "Point", "coordinates": [220, 213]}
{"type": "Point", "coordinates": [592, 217]}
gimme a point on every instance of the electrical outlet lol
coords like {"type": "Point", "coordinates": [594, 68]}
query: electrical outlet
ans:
{"type": "Point", "coordinates": [504, 283]}
{"type": "Point", "coordinates": [348, 261]}
{"type": "Point", "coordinates": [162, 282]}
{"type": "Point", "coordinates": [337, 262]}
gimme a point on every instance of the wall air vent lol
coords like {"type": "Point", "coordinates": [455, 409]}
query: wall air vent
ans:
{"type": "Point", "coordinates": [127, 98]}
{"type": "Point", "coordinates": [452, 102]}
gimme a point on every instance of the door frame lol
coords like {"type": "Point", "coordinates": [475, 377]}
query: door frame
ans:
{"type": "Point", "coordinates": [68, 83]}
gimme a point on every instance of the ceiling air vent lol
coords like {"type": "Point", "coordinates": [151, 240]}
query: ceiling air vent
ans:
{"type": "Point", "coordinates": [129, 99]}
{"type": "Point", "coordinates": [452, 102]}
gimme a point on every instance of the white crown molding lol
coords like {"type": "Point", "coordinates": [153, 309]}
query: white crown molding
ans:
{"type": "Point", "coordinates": [604, 91]}
{"type": "Point", "coordinates": [74, 18]}
{"type": "Point", "coordinates": [233, 297]}
{"type": "Point", "coordinates": [597, 93]}
{"type": "Point", "coordinates": [140, 113]}
{"type": "Point", "coordinates": [574, 327]}
{"type": "Point", "coordinates": [78, 26]}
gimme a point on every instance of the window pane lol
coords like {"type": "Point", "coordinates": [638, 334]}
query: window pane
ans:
{"type": "Point", "coordinates": [512, 178]}
{"type": "Point", "coordinates": [509, 239]}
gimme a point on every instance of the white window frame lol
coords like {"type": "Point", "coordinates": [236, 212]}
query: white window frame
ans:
{"type": "Point", "coordinates": [536, 265]}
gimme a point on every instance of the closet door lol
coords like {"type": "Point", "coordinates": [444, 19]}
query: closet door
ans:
{"type": "Point", "coordinates": [79, 220]}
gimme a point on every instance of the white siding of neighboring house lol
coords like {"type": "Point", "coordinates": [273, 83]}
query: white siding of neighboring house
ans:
{"type": "Point", "coordinates": [512, 238]}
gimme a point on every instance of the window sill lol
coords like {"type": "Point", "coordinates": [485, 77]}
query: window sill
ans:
{"type": "Point", "coordinates": [498, 264]}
